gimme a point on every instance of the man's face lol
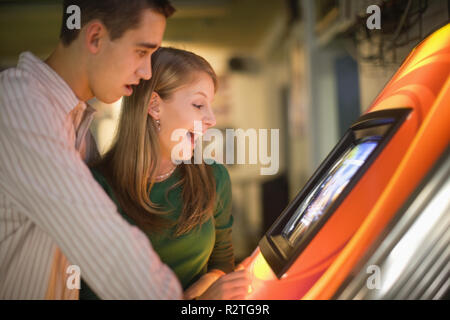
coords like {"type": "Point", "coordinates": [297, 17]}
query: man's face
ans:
{"type": "Point", "coordinates": [126, 60]}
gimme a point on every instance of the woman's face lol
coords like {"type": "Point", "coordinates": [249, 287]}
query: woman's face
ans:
{"type": "Point", "coordinates": [187, 104]}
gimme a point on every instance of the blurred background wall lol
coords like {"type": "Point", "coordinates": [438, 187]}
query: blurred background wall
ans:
{"type": "Point", "coordinates": [308, 68]}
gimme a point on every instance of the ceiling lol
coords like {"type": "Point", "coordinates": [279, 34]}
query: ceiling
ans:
{"type": "Point", "coordinates": [238, 24]}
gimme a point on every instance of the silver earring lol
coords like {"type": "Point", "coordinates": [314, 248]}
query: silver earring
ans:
{"type": "Point", "coordinates": [158, 125]}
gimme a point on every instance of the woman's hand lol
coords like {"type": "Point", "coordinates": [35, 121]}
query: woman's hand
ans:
{"type": "Point", "coordinates": [233, 286]}
{"type": "Point", "coordinates": [200, 286]}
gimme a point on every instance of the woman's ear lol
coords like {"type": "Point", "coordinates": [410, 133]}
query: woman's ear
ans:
{"type": "Point", "coordinates": [154, 106]}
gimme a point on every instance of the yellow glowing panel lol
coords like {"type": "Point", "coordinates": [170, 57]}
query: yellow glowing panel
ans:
{"type": "Point", "coordinates": [261, 269]}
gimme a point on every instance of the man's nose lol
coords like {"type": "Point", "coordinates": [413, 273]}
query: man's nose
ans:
{"type": "Point", "coordinates": [145, 70]}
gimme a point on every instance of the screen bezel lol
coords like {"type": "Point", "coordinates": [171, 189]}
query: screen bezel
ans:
{"type": "Point", "coordinates": [274, 247]}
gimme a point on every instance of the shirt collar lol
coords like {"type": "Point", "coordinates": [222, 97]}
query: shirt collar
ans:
{"type": "Point", "coordinates": [48, 77]}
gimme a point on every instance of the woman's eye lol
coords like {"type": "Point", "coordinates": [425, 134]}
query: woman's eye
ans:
{"type": "Point", "coordinates": [198, 106]}
{"type": "Point", "coordinates": [142, 53]}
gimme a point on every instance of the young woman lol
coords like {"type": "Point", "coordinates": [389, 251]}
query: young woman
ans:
{"type": "Point", "coordinates": [184, 209]}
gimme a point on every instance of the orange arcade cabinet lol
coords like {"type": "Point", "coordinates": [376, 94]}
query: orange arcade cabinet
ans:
{"type": "Point", "coordinates": [344, 206]}
{"type": "Point", "coordinates": [410, 259]}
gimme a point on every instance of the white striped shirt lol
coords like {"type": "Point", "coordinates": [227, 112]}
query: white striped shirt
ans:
{"type": "Point", "coordinates": [50, 203]}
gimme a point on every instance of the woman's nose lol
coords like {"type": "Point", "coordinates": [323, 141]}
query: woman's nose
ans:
{"type": "Point", "coordinates": [210, 119]}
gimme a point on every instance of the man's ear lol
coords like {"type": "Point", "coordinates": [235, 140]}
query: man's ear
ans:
{"type": "Point", "coordinates": [154, 106]}
{"type": "Point", "coordinates": [95, 35]}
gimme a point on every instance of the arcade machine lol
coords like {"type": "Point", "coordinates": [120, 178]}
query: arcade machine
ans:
{"type": "Point", "coordinates": [428, 145]}
{"type": "Point", "coordinates": [318, 239]}
{"type": "Point", "coordinates": [413, 253]}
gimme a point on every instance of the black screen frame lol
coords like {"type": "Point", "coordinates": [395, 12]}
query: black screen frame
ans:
{"type": "Point", "coordinates": [274, 247]}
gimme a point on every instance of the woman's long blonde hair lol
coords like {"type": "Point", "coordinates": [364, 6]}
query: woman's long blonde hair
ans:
{"type": "Point", "coordinates": [131, 162]}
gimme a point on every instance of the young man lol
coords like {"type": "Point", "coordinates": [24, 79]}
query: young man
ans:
{"type": "Point", "coordinates": [51, 209]}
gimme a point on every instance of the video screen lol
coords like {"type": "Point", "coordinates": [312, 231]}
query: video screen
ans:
{"type": "Point", "coordinates": [328, 189]}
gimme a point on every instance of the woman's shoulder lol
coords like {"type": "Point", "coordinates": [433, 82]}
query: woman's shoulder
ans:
{"type": "Point", "coordinates": [220, 171]}
{"type": "Point", "coordinates": [222, 177]}
{"type": "Point", "coordinates": [98, 176]}
{"type": "Point", "coordinates": [102, 181]}
{"type": "Point", "coordinates": [222, 213]}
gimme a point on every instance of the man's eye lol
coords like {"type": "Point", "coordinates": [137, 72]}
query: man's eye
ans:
{"type": "Point", "coordinates": [142, 53]}
{"type": "Point", "coordinates": [198, 106]}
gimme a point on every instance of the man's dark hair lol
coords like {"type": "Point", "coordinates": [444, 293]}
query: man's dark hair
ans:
{"type": "Point", "coordinates": [118, 16]}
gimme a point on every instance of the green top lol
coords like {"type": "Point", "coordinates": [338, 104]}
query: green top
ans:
{"type": "Point", "coordinates": [192, 254]}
